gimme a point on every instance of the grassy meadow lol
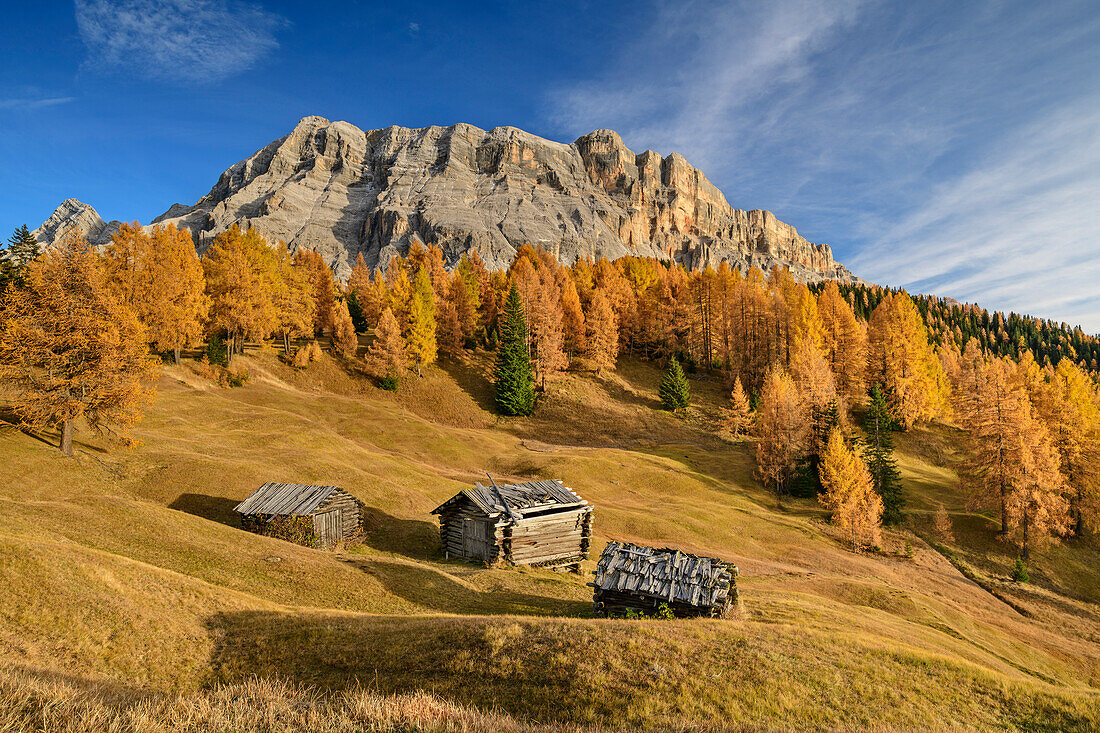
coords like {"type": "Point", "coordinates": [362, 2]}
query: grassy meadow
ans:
{"type": "Point", "coordinates": [131, 600]}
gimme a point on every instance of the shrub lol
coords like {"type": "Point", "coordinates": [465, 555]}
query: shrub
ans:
{"type": "Point", "coordinates": [216, 352]}
{"type": "Point", "coordinates": [388, 383]}
{"type": "Point", "coordinates": [1019, 572]}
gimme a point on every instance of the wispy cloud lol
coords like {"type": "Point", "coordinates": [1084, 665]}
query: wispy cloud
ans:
{"type": "Point", "coordinates": [947, 147]}
{"type": "Point", "coordinates": [1019, 229]}
{"type": "Point", "coordinates": [32, 103]}
{"type": "Point", "coordinates": [188, 41]}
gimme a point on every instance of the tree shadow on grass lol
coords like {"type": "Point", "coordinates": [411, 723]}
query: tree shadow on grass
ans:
{"type": "Point", "coordinates": [413, 538]}
{"type": "Point", "coordinates": [519, 666]}
{"type": "Point", "coordinates": [471, 380]}
{"type": "Point", "coordinates": [215, 508]}
{"type": "Point", "coordinates": [435, 587]}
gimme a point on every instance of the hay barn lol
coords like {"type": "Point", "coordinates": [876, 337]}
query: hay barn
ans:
{"type": "Point", "coordinates": [532, 523]}
{"type": "Point", "coordinates": [314, 516]}
{"type": "Point", "coordinates": [633, 578]}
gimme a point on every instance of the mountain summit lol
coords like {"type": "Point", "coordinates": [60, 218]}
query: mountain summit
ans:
{"type": "Point", "coordinates": [342, 191]}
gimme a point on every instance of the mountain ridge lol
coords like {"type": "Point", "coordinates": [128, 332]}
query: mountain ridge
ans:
{"type": "Point", "coordinates": [343, 191]}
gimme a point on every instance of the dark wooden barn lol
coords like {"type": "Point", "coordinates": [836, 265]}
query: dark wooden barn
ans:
{"type": "Point", "coordinates": [532, 523]}
{"type": "Point", "coordinates": [314, 516]}
{"type": "Point", "coordinates": [633, 578]}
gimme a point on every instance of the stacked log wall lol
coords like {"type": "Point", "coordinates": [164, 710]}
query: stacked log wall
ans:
{"type": "Point", "coordinates": [351, 514]}
{"type": "Point", "coordinates": [450, 532]}
{"type": "Point", "coordinates": [551, 537]}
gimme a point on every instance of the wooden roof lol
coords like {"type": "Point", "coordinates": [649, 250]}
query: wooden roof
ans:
{"type": "Point", "coordinates": [530, 496]}
{"type": "Point", "coordinates": [669, 575]}
{"type": "Point", "coordinates": [292, 499]}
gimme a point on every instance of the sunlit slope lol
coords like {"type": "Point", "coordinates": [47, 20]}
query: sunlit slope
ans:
{"type": "Point", "coordinates": [126, 564]}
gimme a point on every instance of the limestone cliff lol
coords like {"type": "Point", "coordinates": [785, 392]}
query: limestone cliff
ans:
{"type": "Point", "coordinates": [343, 191]}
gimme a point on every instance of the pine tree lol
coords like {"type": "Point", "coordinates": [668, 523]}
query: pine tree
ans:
{"type": "Point", "coordinates": [739, 412]}
{"type": "Point", "coordinates": [849, 496]}
{"type": "Point", "coordinates": [22, 248]}
{"type": "Point", "coordinates": [674, 391]}
{"type": "Point", "coordinates": [386, 357]}
{"type": "Point", "coordinates": [421, 341]}
{"type": "Point", "coordinates": [344, 339]}
{"type": "Point", "coordinates": [515, 391]}
{"type": "Point", "coordinates": [71, 348]}
{"type": "Point", "coordinates": [878, 453]}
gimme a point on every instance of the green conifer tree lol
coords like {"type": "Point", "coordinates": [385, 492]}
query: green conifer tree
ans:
{"type": "Point", "coordinates": [878, 453]}
{"type": "Point", "coordinates": [21, 249]}
{"type": "Point", "coordinates": [515, 389]}
{"type": "Point", "coordinates": [674, 390]}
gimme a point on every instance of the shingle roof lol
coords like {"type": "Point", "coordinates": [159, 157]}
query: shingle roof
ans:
{"type": "Point", "coordinates": [668, 575]}
{"type": "Point", "coordinates": [275, 498]}
{"type": "Point", "coordinates": [523, 497]}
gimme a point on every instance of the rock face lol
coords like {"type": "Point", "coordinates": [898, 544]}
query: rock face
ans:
{"type": "Point", "coordinates": [73, 215]}
{"type": "Point", "coordinates": [343, 191]}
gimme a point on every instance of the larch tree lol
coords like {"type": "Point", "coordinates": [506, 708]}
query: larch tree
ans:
{"type": "Point", "coordinates": [781, 431]}
{"type": "Point", "coordinates": [421, 338]}
{"type": "Point", "coordinates": [344, 339]}
{"type": "Point", "coordinates": [739, 412]}
{"type": "Point", "coordinates": [292, 297]}
{"type": "Point", "coordinates": [386, 358]}
{"type": "Point", "coordinates": [942, 525]}
{"type": "Point", "coordinates": [323, 286]}
{"type": "Point", "coordinates": [603, 332]}
{"type": "Point", "coordinates": [573, 325]}
{"type": "Point", "coordinates": [878, 453]}
{"type": "Point", "coordinates": [177, 291]}
{"type": "Point", "coordinates": [855, 508]}
{"type": "Point", "coordinates": [71, 348]}
{"type": "Point", "coordinates": [128, 259]}
{"type": "Point", "coordinates": [515, 390]}
{"type": "Point", "coordinates": [1038, 512]}
{"type": "Point", "coordinates": [809, 369]}
{"type": "Point", "coordinates": [901, 359]}
{"type": "Point", "coordinates": [240, 276]}
{"type": "Point", "coordinates": [845, 341]}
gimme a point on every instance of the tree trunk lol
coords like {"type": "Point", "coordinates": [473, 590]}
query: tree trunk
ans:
{"type": "Point", "coordinates": [176, 354]}
{"type": "Point", "coordinates": [67, 437]}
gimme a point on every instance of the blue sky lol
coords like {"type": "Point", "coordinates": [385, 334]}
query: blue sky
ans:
{"type": "Point", "coordinates": [948, 147]}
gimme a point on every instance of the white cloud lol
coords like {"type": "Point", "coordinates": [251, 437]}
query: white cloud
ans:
{"type": "Point", "coordinates": [1019, 230]}
{"type": "Point", "coordinates": [29, 103]}
{"type": "Point", "coordinates": [695, 81]}
{"type": "Point", "coordinates": [190, 41]}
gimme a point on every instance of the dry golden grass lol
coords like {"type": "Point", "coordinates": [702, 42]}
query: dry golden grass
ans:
{"type": "Point", "coordinates": [126, 567]}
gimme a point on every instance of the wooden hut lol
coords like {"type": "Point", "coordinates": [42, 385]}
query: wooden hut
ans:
{"type": "Point", "coordinates": [532, 523]}
{"type": "Point", "coordinates": [633, 578]}
{"type": "Point", "coordinates": [314, 516]}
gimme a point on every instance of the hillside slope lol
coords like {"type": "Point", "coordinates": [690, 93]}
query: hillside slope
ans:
{"type": "Point", "coordinates": [123, 570]}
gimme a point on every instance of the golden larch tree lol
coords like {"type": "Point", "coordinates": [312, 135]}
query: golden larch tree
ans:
{"type": "Point", "coordinates": [344, 339]}
{"type": "Point", "coordinates": [845, 341]}
{"type": "Point", "coordinates": [387, 357]}
{"type": "Point", "coordinates": [781, 430]}
{"type": "Point", "coordinates": [902, 361]}
{"type": "Point", "coordinates": [177, 303]}
{"type": "Point", "coordinates": [323, 286]}
{"type": "Point", "coordinates": [421, 337]}
{"type": "Point", "coordinates": [292, 297]}
{"type": "Point", "coordinates": [71, 348]}
{"type": "Point", "coordinates": [739, 412]}
{"type": "Point", "coordinates": [854, 505]}
{"type": "Point", "coordinates": [573, 325]}
{"type": "Point", "coordinates": [603, 332]}
{"type": "Point", "coordinates": [240, 278]}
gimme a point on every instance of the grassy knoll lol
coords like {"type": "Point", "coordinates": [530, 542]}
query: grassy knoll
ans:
{"type": "Point", "coordinates": [124, 569]}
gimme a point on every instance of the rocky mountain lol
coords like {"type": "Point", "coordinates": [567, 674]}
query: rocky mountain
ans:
{"type": "Point", "coordinates": [344, 191]}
